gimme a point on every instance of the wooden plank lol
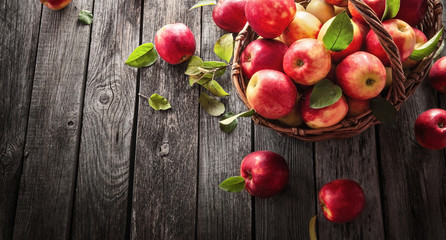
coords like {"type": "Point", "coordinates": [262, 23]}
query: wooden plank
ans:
{"type": "Point", "coordinates": [221, 215]}
{"type": "Point", "coordinates": [286, 215]}
{"type": "Point", "coordinates": [165, 179]}
{"type": "Point", "coordinates": [104, 158]}
{"type": "Point", "coordinates": [47, 183]}
{"type": "Point", "coordinates": [19, 25]}
{"type": "Point", "coordinates": [412, 178]}
{"type": "Point", "coordinates": [353, 158]}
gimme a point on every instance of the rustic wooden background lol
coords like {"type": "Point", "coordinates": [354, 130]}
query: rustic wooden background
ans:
{"type": "Point", "coordinates": [83, 157]}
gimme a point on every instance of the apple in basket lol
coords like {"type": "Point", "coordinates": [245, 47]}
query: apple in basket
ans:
{"type": "Point", "coordinates": [412, 11]}
{"type": "Point", "coordinates": [304, 25]}
{"type": "Point", "coordinates": [378, 6]}
{"type": "Point", "coordinates": [339, 3]}
{"type": "Point", "coordinates": [175, 43]}
{"type": "Point", "coordinates": [420, 39]}
{"type": "Point", "coordinates": [229, 15]}
{"type": "Point", "coordinates": [55, 4]}
{"type": "Point", "coordinates": [430, 129]}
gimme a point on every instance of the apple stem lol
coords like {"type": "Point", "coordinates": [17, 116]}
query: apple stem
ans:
{"type": "Point", "coordinates": [144, 96]}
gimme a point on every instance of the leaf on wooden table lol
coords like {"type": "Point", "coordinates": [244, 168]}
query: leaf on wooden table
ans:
{"type": "Point", "coordinates": [193, 67]}
{"type": "Point", "coordinates": [383, 110]}
{"type": "Point", "coordinates": [157, 102]}
{"type": "Point", "coordinates": [339, 34]}
{"type": "Point", "coordinates": [85, 17]}
{"type": "Point", "coordinates": [215, 88]}
{"type": "Point", "coordinates": [203, 3]}
{"type": "Point", "coordinates": [211, 105]}
{"type": "Point", "coordinates": [312, 228]}
{"type": "Point", "coordinates": [229, 120]}
{"type": "Point", "coordinates": [230, 127]}
{"type": "Point", "coordinates": [143, 56]}
{"type": "Point", "coordinates": [233, 184]}
{"type": "Point", "coordinates": [224, 47]}
{"type": "Point", "coordinates": [324, 94]}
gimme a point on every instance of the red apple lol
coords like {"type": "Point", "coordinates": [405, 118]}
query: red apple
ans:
{"type": "Point", "coordinates": [430, 129]}
{"type": "Point", "coordinates": [175, 43]}
{"type": "Point", "coordinates": [403, 36]}
{"type": "Point", "coordinates": [420, 39]}
{"type": "Point", "coordinates": [55, 4]}
{"type": "Point", "coordinates": [339, 3]}
{"type": "Point", "coordinates": [229, 15]}
{"type": "Point", "coordinates": [304, 25]}
{"type": "Point", "coordinates": [437, 75]}
{"type": "Point", "coordinates": [292, 119]}
{"type": "Point", "coordinates": [354, 46]}
{"type": "Point", "coordinates": [323, 117]}
{"type": "Point", "coordinates": [357, 107]}
{"type": "Point", "coordinates": [307, 61]}
{"type": "Point", "coordinates": [364, 28]}
{"type": "Point", "coordinates": [269, 18]}
{"type": "Point", "coordinates": [321, 9]}
{"type": "Point", "coordinates": [266, 173]}
{"type": "Point", "coordinates": [342, 200]}
{"type": "Point", "coordinates": [361, 75]}
{"type": "Point", "coordinates": [262, 54]}
{"type": "Point", "coordinates": [412, 11]}
{"type": "Point", "coordinates": [378, 6]}
{"type": "Point", "coordinates": [271, 93]}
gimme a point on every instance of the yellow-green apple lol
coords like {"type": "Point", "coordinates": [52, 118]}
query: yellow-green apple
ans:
{"type": "Point", "coordinates": [361, 75]}
{"type": "Point", "coordinates": [378, 6]}
{"type": "Point", "coordinates": [304, 25]}
{"type": "Point", "coordinates": [338, 3]}
{"type": "Point", "coordinates": [55, 4]}
{"type": "Point", "coordinates": [412, 11]}
{"type": "Point", "coordinates": [266, 173]}
{"type": "Point", "coordinates": [420, 39]}
{"type": "Point", "coordinates": [307, 61]}
{"type": "Point", "coordinates": [339, 9]}
{"type": "Point", "coordinates": [354, 46]}
{"type": "Point", "coordinates": [430, 129]}
{"type": "Point", "coordinates": [299, 7]}
{"type": "Point", "coordinates": [357, 107]}
{"type": "Point", "coordinates": [321, 9]}
{"type": "Point", "coordinates": [262, 54]}
{"type": "Point", "coordinates": [269, 18]}
{"type": "Point", "coordinates": [175, 43]}
{"type": "Point", "coordinates": [322, 117]}
{"type": "Point", "coordinates": [341, 200]}
{"type": "Point", "coordinates": [271, 93]}
{"type": "Point", "coordinates": [437, 75]}
{"type": "Point", "coordinates": [229, 15]}
{"type": "Point", "coordinates": [292, 119]}
{"type": "Point", "coordinates": [403, 37]}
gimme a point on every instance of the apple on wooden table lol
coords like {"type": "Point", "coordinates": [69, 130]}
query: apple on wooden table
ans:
{"type": "Point", "coordinates": [437, 75]}
{"type": "Point", "coordinates": [229, 15]}
{"type": "Point", "coordinates": [175, 43]}
{"type": "Point", "coordinates": [430, 129]}
{"type": "Point", "coordinates": [55, 4]}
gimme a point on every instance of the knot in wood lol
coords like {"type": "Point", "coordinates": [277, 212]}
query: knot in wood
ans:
{"type": "Point", "coordinates": [164, 149]}
{"type": "Point", "coordinates": [104, 98]}
{"type": "Point", "coordinates": [6, 159]}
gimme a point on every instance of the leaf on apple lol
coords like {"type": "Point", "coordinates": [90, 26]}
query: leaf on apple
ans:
{"type": "Point", "coordinates": [427, 48]}
{"type": "Point", "coordinates": [233, 184]}
{"type": "Point", "coordinates": [211, 105]}
{"type": "Point", "coordinates": [312, 228]}
{"type": "Point", "coordinates": [213, 87]}
{"type": "Point", "coordinates": [383, 110]}
{"type": "Point", "coordinates": [143, 56]}
{"type": "Point", "coordinates": [203, 3]}
{"type": "Point", "coordinates": [224, 47]}
{"type": "Point", "coordinates": [85, 17]}
{"type": "Point", "coordinates": [324, 94]}
{"type": "Point", "coordinates": [339, 34]}
{"type": "Point", "coordinates": [229, 120]}
{"type": "Point", "coordinates": [391, 10]}
{"type": "Point", "coordinates": [157, 102]}
{"type": "Point", "coordinates": [230, 127]}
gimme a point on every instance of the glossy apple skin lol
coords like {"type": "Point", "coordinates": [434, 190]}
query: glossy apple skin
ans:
{"type": "Point", "coordinates": [175, 43]}
{"type": "Point", "coordinates": [437, 75]}
{"type": "Point", "coordinates": [266, 173]}
{"type": "Point", "coordinates": [378, 6]}
{"type": "Point", "coordinates": [307, 61]}
{"type": "Point", "coordinates": [341, 200]}
{"type": "Point", "coordinates": [269, 18]}
{"type": "Point", "coordinates": [339, 3]}
{"type": "Point", "coordinates": [354, 46]}
{"type": "Point", "coordinates": [430, 129]}
{"type": "Point", "coordinates": [55, 4]}
{"type": "Point", "coordinates": [271, 93]}
{"type": "Point", "coordinates": [304, 25]}
{"type": "Point", "coordinates": [321, 9]}
{"type": "Point", "coordinates": [403, 36]}
{"type": "Point", "coordinates": [412, 11]}
{"type": "Point", "coordinates": [292, 119]}
{"type": "Point", "coordinates": [229, 15]}
{"type": "Point", "coordinates": [420, 39]}
{"type": "Point", "coordinates": [357, 107]}
{"type": "Point", "coordinates": [323, 117]}
{"type": "Point", "coordinates": [262, 54]}
{"type": "Point", "coordinates": [361, 75]}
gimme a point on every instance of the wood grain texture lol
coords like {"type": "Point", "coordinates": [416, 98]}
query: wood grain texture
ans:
{"type": "Point", "coordinates": [286, 215]}
{"type": "Point", "coordinates": [47, 183]}
{"type": "Point", "coordinates": [353, 158]}
{"type": "Point", "coordinates": [221, 215]}
{"type": "Point", "coordinates": [19, 27]}
{"type": "Point", "coordinates": [165, 179]}
{"type": "Point", "coordinates": [104, 157]}
{"type": "Point", "coordinates": [413, 179]}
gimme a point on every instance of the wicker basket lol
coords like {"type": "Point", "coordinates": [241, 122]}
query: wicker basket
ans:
{"type": "Point", "coordinates": [402, 87]}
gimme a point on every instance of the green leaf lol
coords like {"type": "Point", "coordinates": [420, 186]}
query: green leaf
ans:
{"type": "Point", "coordinates": [211, 105]}
{"type": "Point", "coordinates": [224, 47]}
{"type": "Point", "coordinates": [439, 52]}
{"type": "Point", "coordinates": [200, 79]}
{"type": "Point", "coordinates": [312, 228]}
{"type": "Point", "coordinates": [383, 110]}
{"type": "Point", "coordinates": [157, 102]}
{"type": "Point", "coordinates": [324, 93]}
{"type": "Point", "coordinates": [339, 34]}
{"type": "Point", "coordinates": [203, 3]}
{"type": "Point", "coordinates": [233, 184]}
{"type": "Point", "coordinates": [85, 17]}
{"type": "Point", "coordinates": [143, 56]}
{"type": "Point", "coordinates": [229, 120]}
{"type": "Point", "coordinates": [427, 48]}
{"type": "Point", "coordinates": [193, 66]}
{"type": "Point", "coordinates": [391, 10]}
{"type": "Point", "coordinates": [215, 88]}
{"type": "Point", "coordinates": [230, 127]}
{"type": "Point", "coordinates": [214, 64]}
